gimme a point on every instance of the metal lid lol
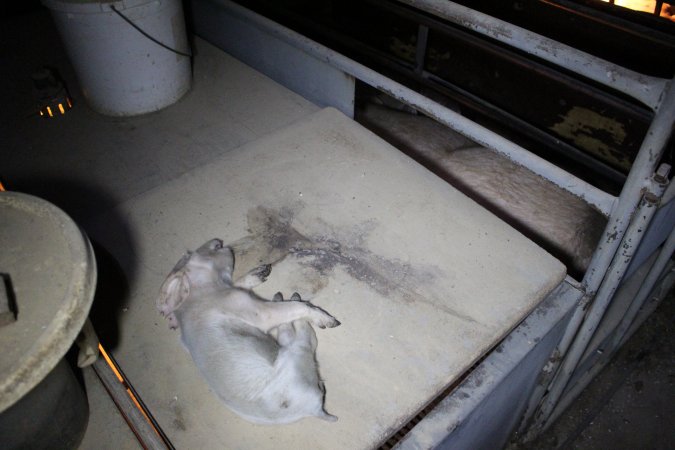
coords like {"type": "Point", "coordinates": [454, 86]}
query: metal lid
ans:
{"type": "Point", "coordinates": [52, 273]}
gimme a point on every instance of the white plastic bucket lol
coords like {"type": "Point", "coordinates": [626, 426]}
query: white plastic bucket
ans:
{"type": "Point", "coordinates": [121, 71]}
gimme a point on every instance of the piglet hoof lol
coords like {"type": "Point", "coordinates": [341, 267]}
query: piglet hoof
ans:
{"type": "Point", "coordinates": [324, 320]}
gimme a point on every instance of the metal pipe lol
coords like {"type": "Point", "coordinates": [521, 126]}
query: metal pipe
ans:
{"type": "Point", "coordinates": [657, 271]}
{"type": "Point", "coordinates": [648, 284]}
{"type": "Point", "coordinates": [665, 284]}
{"type": "Point", "coordinates": [603, 201]}
{"type": "Point", "coordinates": [669, 195]}
{"type": "Point", "coordinates": [147, 435]}
{"type": "Point", "coordinates": [644, 88]}
{"type": "Point", "coordinates": [524, 127]}
{"type": "Point", "coordinates": [639, 179]}
{"type": "Point", "coordinates": [657, 93]}
{"type": "Point", "coordinates": [534, 403]}
{"type": "Point", "coordinates": [615, 272]}
{"type": "Point", "coordinates": [421, 48]}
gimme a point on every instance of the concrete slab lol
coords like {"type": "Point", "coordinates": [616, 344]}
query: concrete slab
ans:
{"type": "Point", "coordinates": [424, 280]}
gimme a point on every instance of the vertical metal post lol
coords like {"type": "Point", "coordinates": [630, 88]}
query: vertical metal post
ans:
{"type": "Point", "coordinates": [421, 49]}
{"type": "Point", "coordinates": [615, 272]}
{"type": "Point", "coordinates": [654, 274]}
{"type": "Point", "coordinates": [639, 179]}
{"type": "Point", "coordinates": [621, 332]}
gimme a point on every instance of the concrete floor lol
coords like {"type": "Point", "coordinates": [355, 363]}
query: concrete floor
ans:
{"type": "Point", "coordinates": [631, 405]}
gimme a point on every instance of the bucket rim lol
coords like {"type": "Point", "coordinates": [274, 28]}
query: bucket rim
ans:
{"type": "Point", "coordinates": [95, 6]}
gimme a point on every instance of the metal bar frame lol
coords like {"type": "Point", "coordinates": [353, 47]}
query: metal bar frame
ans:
{"type": "Point", "coordinates": [491, 110]}
{"type": "Point", "coordinates": [624, 330]}
{"type": "Point", "coordinates": [656, 93]}
{"type": "Point", "coordinates": [583, 334]}
{"type": "Point", "coordinates": [638, 181]}
{"type": "Point", "coordinates": [601, 200]}
{"type": "Point", "coordinates": [420, 75]}
{"type": "Point", "coordinates": [644, 88]}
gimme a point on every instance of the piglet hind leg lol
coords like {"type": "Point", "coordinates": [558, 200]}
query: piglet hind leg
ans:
{"type": "Point", "coordinates": [285, 333]}
{"type": "Point", "coordinates": [304, 335]}
{"type": "Point", "coordinates": [299, 336]}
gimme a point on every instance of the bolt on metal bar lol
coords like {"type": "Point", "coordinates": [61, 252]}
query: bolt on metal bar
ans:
{"type": "Point", "coordinates": [644, 88]}
{"type": "Point", "coordinates": [669, 195]}
{"type": "Point", "coordinates": [601, 200]}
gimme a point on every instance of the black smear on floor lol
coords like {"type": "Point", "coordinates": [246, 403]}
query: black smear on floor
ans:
{"type": "Point", "coordinates": [274, 236]}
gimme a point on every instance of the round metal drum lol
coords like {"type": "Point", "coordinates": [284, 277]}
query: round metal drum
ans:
{"type": "Point", "coordinates": [47, 282]}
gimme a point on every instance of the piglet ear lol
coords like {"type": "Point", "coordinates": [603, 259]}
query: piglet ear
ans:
{"type": "Point", "coordinates": [172, 294]}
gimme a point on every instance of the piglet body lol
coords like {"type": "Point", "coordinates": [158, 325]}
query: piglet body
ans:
{"type": "Point", "coordinates": [257, 355]}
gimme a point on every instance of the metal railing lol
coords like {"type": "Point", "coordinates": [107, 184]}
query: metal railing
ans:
{"type": "Point", "coordinates": [641, 191]}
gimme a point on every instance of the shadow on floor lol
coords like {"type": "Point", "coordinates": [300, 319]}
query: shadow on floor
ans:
{"type": "Point", "coordinates": [83, 201]}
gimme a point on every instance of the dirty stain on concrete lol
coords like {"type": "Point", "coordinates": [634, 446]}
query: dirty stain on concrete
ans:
{"type": "Point", "coordinates": [178, 422]}
{"type": "Point", "coordinates": [274, 237]}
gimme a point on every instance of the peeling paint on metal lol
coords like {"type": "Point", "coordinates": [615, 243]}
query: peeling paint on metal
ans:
{"type": "Point", "coordinates": [591, 131]}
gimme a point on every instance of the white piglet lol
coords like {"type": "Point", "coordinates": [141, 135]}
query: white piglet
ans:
{"type": "Point", "coordinates": [230, 334]}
